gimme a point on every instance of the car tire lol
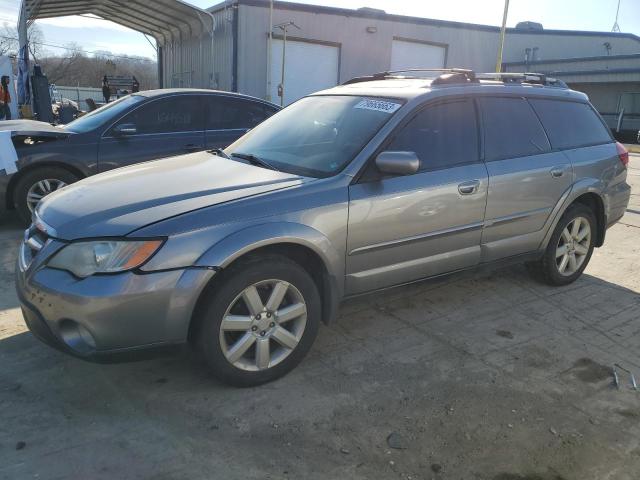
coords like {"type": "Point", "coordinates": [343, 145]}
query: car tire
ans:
{"type": "Point", "coordinates": [574, 236]}
{"type": "Point", "coordinates": [235, 352]}
{"type": "Point", "coordinates": [36, 183]}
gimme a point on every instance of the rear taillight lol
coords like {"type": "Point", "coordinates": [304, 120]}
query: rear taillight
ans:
{"type": "Point", "coordinates": [623, 153]}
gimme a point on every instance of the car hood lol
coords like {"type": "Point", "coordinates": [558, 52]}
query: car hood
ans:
{"type": "Point", "coordinates": [118, 202]}
{"type": "Point", "coordinates": [32, 128]}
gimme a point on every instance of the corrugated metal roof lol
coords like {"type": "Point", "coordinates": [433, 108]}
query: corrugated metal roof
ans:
{"type": "Point", "coordinates": [165, 20]}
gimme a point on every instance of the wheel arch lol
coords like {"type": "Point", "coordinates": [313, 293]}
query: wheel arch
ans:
{"type": "Point", "coordinates": [9, 194]}
{"type": "Point", "coordinates": [305, 245]}
{"type": "Point", "coordinates": [595, 202]}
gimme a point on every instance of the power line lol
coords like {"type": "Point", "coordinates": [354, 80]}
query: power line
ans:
{"type": "Point", "coordinates": [90, 52]}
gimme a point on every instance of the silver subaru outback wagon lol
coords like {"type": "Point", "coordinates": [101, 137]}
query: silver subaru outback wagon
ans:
{"type": "Point", "coordinates": [383, 181]}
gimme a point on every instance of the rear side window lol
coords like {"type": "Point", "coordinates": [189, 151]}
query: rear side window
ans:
{"type": "Point", "coordinates": [511, 129]}
{"type": "Point", "coordinates": [570, 124]}
{"type": "Point", "coordinates": [442, 135]}
{"type": "Point", "coordinates": [226, 113]}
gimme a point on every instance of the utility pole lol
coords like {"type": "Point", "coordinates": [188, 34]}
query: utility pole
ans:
{"type": "Point", "coordinates": [269, 46]}
{"type": "Point", "coordinates": [283, 27]}
{"type": "Point", "coordinates": [503, 30]}
{"type": "Point", "coordinates": [24, 95]}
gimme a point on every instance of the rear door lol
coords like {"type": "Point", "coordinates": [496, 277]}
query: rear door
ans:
{"type": "Point", "coordinates": [404, 228]}
{"type": "Point", "coordinates": [164, 127]}
{"type": "Point", "coordinates": [526, 178]}
{"type": "Point", "coordinates": [228, 118]}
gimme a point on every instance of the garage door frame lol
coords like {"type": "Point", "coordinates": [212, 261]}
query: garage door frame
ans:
{"type": "Point", "coordinates": [426, 42]}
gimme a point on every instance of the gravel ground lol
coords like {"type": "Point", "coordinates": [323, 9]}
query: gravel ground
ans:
{"type": "Point", "coordinates": [478, 376]}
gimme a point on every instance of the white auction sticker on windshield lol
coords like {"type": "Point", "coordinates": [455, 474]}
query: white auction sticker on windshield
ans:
{"type": "Point", "coordinates": [378, 105]}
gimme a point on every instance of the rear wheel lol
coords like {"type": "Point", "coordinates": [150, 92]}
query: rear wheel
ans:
{"type": "Point", "coordinates": [36, 185]}
{"type": "Point", "coordinates": [569, 249]}
{"type": "Point", "coordinates": [260, 322]}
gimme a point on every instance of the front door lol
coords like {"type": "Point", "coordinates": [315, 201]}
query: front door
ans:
{"type": "Point", "coordinates": [526, 179]}
{"type": "Point", "coordinates": [404, 228]}
{"type": "Point", "coordinates": [159, 128]}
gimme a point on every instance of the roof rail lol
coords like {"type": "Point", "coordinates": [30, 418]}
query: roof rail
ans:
{"type": "Point", "coordinates": [523, 77]}
{"type": "Point", "coordinates": [412, 74]}
{"type": "Point", "coordinates": [451, 76]}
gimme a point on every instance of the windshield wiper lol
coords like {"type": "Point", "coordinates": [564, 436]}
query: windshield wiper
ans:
{"type": "Point", "coordinates": [253, 159]}
{"type": "Point", "coordinates": [219, 152]}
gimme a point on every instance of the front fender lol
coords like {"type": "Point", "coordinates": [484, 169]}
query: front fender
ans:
{"type": "Point", "coordinates": [228, 249]}
{"type": "Point", "coordinates": [225, 251]}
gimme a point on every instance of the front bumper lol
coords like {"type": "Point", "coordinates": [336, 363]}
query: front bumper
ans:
{"type": "Point", "coordinates": [108, 315]}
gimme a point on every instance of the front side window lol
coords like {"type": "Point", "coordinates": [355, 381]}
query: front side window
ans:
{"type": "Point", "coordinates": [104, 115]}
{"type": "Point", "coordinates": [570, 124]}
{"type": "Point", "coordinates": [511, 129]}
{"type": "Point", "coordinates": [318, 135]}
{"type": "Point", "coordinates": [443, 135]}
{"type": "Point", "coordinates": [167, 115]}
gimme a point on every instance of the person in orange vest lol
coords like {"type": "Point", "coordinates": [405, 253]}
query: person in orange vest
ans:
{"type": "Point", "coordinates": [5, 99]}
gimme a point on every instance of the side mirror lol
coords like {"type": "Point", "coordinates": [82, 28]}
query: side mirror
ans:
{"type": "Point", "coordinates": [398, 163]}
{"type": "Point", "coordinates": [125, 129]}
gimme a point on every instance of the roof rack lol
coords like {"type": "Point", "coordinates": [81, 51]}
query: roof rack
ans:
{"type": "Point", "coordinates": [457, 76]}
{"type": "Point", "coordinates": [412, 74]}
{"type": "Point", "coordinates": [523, 77]}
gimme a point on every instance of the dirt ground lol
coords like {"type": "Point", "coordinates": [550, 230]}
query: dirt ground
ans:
{"type": "Point", "coordinates": [479, 376]}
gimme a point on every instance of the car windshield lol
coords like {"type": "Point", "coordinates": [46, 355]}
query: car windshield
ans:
{"type": "Point", "coordinates": [102, 115]}
{"type": "Point", "coordinates": [318, 135]}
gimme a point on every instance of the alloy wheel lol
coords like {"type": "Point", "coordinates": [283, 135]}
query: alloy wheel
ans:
{"type": "Point", "coordinates": [573, 246]}
{"type": "Point", "coordinates": [263, 325]}
{"type": "Point", "coordinates": [41, 189]}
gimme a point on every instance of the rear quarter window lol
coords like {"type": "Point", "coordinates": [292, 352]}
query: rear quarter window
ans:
{"type": "Point", "coordinates": [570, 124]}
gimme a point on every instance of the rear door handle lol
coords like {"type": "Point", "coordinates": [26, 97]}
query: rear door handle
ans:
{"type": "Point", "coordinates": [557, 172]}
{"type": "Point", "coordinates": [469, 188]}
{"type": "Point", "coordinates": [192, 147]}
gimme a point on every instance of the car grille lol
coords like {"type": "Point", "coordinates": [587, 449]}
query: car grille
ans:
{"type": "Point", "coordinates": [35, 238]}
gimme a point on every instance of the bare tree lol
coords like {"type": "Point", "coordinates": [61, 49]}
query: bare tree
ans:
{"type": "Point", "coordinates": [9, 44]}
{"type": "Point", "coordinates": [77, 68]}
{"type": "Point", "coordinates": [65, 69]}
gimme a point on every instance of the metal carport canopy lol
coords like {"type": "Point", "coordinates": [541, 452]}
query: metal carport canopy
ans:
{"type": "Point", "coordinates": [164, 20]}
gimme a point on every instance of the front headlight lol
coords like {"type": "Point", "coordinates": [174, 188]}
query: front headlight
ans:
{"type": "Point", "coordinates": [83, 259]}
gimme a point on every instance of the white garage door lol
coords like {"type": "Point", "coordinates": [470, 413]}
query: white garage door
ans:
{"type": "Point", "coordinates": [416, 55]}
{"type": "Point", "coordinates": [309, 67]}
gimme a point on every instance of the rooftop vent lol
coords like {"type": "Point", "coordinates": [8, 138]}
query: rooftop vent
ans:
{"type": "Point", "coordinates": [374, 11]}
{"type": "Point", "coordinates": [529, 26]}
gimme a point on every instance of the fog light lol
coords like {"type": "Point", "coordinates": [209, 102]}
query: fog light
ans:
{"type": "Point", "coordinates": [77, 337]}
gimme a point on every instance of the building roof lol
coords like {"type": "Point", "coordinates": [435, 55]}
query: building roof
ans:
{"type": "Point", "coordinates": [381, 15]}
{"type": "Point", "coordinates": [165, 20]}
{"type": "Point", "coordinates": [628, 56]}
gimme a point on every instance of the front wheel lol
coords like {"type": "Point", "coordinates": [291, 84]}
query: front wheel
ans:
{"type": "Point", "coordinates": [260, 322]}
{"type": "Point", "coordinates": [37, 184]}
{"type": "Point", "coordinates": [569, 249]}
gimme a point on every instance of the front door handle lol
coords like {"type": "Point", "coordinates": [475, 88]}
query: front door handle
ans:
{"type": "Point", "coordinates": [557, 172]}
{"type": "Point", "coordinates": [469, 188]}
{"type": "Point", "coordinates": [192, 147]}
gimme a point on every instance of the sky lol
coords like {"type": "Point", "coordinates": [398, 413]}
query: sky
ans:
{"type": "Point", "coordinates": [594, 15]}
